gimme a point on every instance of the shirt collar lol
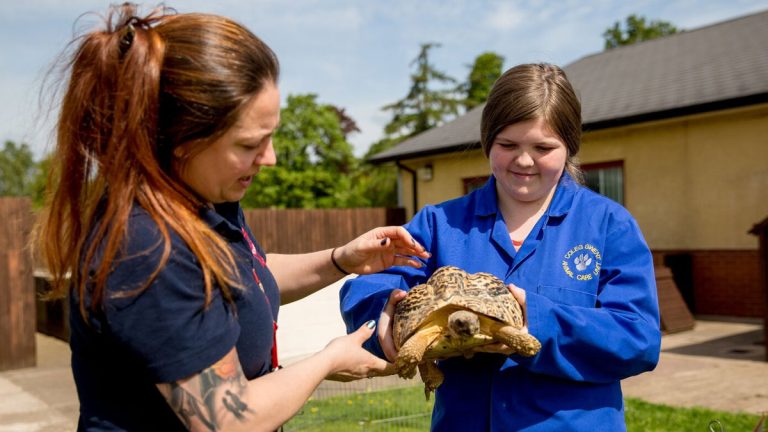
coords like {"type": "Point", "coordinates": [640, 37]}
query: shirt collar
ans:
{"type": "Point", "coordinates": [487, 204]}
{"type": "Point", "coordinates": [561, 202]}
{"type": "Point", "coordinates": [485, 199]}
{"type": "Point", "coordinates": [224, 219]}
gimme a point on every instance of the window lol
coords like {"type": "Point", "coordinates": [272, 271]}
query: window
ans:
{"type": "Point", "coordinates": [473, 183]}
{"type": "Point", "coordinates": [606, 178]}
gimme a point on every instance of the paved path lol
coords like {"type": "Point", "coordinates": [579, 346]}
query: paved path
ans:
{"type": "Point", "coordinates": [42, 398]}
{"type": "Point", "coordinates": [719, 365]}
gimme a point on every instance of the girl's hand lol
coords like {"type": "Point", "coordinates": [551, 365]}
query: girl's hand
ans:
{"type": "Point", "coordinates": [500, 348]}
{"type": "Point", "coordinates": [519, 295]}
{"type": "Point", "coordinates": [386, 319]}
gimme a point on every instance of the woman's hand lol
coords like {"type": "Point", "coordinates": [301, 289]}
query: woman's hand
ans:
{"type": "Point", "coordinates": [379, 249]}
{"type": "Point", "coordinates": [352, 361]}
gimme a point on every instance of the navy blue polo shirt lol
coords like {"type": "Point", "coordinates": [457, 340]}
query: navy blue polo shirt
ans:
{"type": "Point", "coordinates": [164, 334]}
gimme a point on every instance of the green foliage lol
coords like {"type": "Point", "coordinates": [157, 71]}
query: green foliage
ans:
{"type": "Point", "coordinates": [424, 107]}
{"type": "Point", "coordinates": [40, 180]}
{"type": "Point", "coordinates": [483, 73]}
{"type": "Point", "coordinates": [311, 135]}
{"type": "Point", "coordinates": [378, 183]}
{"type": "Point", "coordinates": [636, 29]}
{"type": "Point", "coordinates": [314, 159]}
{"type": "Point", "coordinates": [406, 410]}
{"type": "Point", "coordinates": [313, 187]}
{"type": "Point", "coordinates": [17, 169]}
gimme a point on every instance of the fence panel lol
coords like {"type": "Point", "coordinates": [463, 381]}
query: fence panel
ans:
{"type": "Point", "coordinates": [302, 230]}
{"type": "Point", "coordinates": [17, 289]}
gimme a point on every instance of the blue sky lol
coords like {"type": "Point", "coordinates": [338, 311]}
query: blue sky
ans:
{"type": "Point", "coordinates": [353, 54]}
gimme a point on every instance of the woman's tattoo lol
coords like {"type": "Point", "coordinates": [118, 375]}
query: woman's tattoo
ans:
{"type": "Point", "coordinates": [216, 390]}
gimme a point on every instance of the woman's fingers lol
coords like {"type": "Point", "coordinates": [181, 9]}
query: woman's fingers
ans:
{"type": "Point", "coordinates": [401, 238]}
{"type": "Point", "coordinates": [407, 261]}
{"type": "Point", "coordinates": [357, 362]}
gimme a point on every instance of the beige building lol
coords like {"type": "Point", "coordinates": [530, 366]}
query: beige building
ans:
{"type": "Point", "coordinates": [676, 130]}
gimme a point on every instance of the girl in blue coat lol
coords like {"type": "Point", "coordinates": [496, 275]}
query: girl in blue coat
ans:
{"type": "Point", "coordinates": [575, 260]}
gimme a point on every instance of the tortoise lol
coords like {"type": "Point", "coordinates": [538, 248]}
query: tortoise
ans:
{"type": "Point", "coordinates": [453, 314]}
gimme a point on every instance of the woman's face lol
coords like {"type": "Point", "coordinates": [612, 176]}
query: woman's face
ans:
{"type": "Point", "coordinates": [527, 159]}
{"type": "Point", "coordinates": [223, 170]}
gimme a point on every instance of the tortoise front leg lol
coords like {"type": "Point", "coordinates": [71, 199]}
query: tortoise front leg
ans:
{"type": "Point", "coordinates": [431, 375]}
{"type": "Point", "coordinates": [522, 343]}
{"type": "Point", "coordinates": [412, 351]}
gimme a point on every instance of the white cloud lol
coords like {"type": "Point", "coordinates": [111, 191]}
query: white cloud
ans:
{"type": "Point", "coordinates": [505, 16]}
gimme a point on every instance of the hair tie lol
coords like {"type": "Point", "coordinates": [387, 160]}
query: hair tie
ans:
{"type": "Point", "coordinates": [127, 40]}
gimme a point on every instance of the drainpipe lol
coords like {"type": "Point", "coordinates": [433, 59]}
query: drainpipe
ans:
{"type": "Point", "coordinates": [413, 184]}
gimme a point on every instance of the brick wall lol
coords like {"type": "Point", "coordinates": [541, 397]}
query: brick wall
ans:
{"type": "Point", "coordinates": [718, 282]}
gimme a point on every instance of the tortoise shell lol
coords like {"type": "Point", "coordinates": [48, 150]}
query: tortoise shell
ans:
{"type": "Point", "coordinates": [451, 288]}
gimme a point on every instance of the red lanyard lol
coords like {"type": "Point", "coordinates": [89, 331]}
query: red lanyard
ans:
{"type": "Point", "coordinates": [260, 259]}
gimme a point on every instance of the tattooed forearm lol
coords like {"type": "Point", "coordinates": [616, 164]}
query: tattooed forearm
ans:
{"type": "Point", "coordinates": [204, 401]}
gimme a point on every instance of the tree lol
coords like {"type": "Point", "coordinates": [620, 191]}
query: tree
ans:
{"type": "Point", "coordinates": [347, 123]}
{"type": "Point", "coordinates": [636, 30]}
{"type": "Point", "coordinates": [377, 184]}
{"type": "Point", "coordinates": [17, 169]}
{"type": "Point", "coordinates": [423, 107]}
{"type": "Point", "coordinates": [314, 159]}
{"type": "Point", "coordinates": [484, 72]}
{"type": "Point", "coordinates": [38, 184]}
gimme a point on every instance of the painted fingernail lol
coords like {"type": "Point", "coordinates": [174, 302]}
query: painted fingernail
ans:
{"type": "Point", "coordinates": [383, 242]}
{"type": "Point", "coordinates": [370, 324]}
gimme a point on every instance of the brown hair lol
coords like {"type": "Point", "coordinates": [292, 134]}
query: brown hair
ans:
{"type": "Point", "coordinates": [531, 91]}
{"type": "Point", "coordinates": [137, 90]}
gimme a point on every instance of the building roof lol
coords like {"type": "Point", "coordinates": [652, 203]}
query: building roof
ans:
{"type": "Point", "coordinates": [710, 68]}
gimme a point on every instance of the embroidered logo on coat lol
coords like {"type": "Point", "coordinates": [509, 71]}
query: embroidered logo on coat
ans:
{"type": "Point", "coordinates": [582, 262]}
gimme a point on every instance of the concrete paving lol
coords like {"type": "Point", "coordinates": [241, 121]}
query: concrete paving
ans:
{"type": "Point", "coordinates": [720, 364]}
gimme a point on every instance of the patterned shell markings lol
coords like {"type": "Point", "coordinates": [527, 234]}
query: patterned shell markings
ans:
{"type": "Point", "coordinates": [449, 286]}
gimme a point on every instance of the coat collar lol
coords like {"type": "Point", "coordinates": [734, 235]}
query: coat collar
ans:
{"type": "Point", "coordinates": [486, 202]}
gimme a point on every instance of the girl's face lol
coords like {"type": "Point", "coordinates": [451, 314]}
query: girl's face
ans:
{"type": "Point", "coordinates": [527, 160]}
{"type": "Point", "coordinates": [223, 170]}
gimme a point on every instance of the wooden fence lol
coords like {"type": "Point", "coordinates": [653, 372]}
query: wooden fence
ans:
{"type": "Point", "coordinates": [300, 230]}
{"type": "Point", "coordinates": [17, 289]}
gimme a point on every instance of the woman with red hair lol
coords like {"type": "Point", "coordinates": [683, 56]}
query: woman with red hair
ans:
{"type": "Point", "coordinates": [165, 122]}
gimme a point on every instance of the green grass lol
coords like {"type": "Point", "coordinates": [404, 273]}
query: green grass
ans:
{"type": "Point", "coordinates": [647, 417]}
{"type": "Point", "coordinates": [401, 409]}
{"type": "Point", "coordinates": [406, 410]}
